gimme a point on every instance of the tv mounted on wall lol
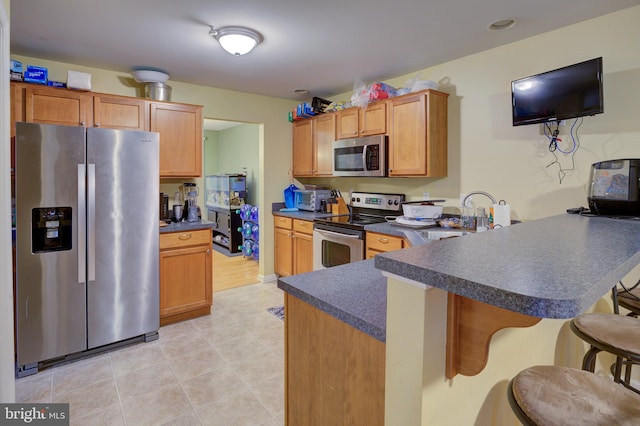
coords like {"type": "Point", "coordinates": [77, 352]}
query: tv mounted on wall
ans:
{"type": "Point", "coordinates": [568, 92]}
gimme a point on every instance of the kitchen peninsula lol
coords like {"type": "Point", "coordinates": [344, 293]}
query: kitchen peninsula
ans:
{"type": "Point", "coordinates": [532, 276]}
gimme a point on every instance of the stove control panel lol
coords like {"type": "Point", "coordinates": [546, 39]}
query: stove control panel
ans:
{"type": "Point", "coordinates": [391, 202]}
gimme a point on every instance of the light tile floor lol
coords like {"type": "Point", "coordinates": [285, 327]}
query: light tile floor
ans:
{"type": "Point", "coordinates": [223, 369]}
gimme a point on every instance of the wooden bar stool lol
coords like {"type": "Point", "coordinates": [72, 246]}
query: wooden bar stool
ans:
{"type": "Point", "coordinates": [615, 334]}
{"type": "Point", "coordinates": [550, 395]}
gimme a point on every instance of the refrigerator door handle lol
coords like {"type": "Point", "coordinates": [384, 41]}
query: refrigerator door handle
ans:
{"type": "Point", "coordinates": [91, 222]}
{"type": "Point", "coordinates": [81, 219]}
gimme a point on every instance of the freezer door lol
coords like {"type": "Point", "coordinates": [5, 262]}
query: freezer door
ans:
{"type": "Point", "coordinates": [123, 233]}
{"type": "Point", "coordinates": [50, 294]}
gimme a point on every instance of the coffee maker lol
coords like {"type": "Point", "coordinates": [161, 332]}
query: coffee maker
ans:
{"type": "Point", "coordinates": [190, 212]}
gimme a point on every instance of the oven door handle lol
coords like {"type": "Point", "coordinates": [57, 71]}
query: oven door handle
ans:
{"type": "Point", "coordinates": [337, 234]}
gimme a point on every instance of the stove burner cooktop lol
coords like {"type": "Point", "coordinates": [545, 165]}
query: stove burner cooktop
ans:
{"type": "Point", "coordinates": [367, 209]}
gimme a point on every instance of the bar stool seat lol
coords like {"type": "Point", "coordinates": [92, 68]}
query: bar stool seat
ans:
{"type": "Point", "coordinates": [551, 395]}
{"type": "Point", "coordinates": [615, 334]}
{"type": "Point", "coordinates": [630, 300]}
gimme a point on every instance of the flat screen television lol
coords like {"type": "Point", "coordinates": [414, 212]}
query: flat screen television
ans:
{"type": "Point", "coordinates": [568, 92]}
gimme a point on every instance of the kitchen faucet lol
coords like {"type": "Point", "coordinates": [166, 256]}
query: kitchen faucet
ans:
{"type": "Point", "coordinates": [464, 200]}
{"type": "Point", "coordinates": [468, 219]}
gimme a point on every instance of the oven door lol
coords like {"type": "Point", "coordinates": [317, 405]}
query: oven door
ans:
{"type": "Point", "coordinates": [334, 246]}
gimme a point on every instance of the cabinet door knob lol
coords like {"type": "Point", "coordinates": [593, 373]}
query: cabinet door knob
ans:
{"type": "Point", "coordinates": [97, 125]}
{"type": "Point", "coordinates": [184, 237]}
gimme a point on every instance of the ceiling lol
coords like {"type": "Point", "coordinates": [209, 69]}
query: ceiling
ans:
{"type": "Point", "coordinates": [320, 46]}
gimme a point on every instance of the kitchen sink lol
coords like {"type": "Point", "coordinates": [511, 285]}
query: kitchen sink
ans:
{"type": "Point", "coordinates": [439, 234]}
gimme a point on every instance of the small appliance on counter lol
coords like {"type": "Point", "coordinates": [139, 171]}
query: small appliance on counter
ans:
{"type": "Point", "coordinates": [614, 188]}
{"type": "Point", "coordinates": [310, 199]}
{"type": "Point", "coordinates": [165, 213]}
{"type": "Point", "coordinates": [178, 205]}
{"type": "Point", "coordinates": [190, 212]}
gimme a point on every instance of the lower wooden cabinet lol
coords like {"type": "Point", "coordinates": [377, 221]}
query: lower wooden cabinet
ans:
{"type": "Point", "coordinates": [381, 243]}
{"type": "Point", "coordinates": [293, 242]}
{"type": "Point", "coordinates": [334, 374]}
{"type": "Point", "coordinates": [186, 280]}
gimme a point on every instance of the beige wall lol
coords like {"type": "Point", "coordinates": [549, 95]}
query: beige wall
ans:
{"type": "Point", "coordinates": [7, 371]}
{"type": "Point", "coordinates": [487, 153]}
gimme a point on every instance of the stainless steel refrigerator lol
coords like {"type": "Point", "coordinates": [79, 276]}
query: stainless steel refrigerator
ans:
{"type": "Point", "coordinates": [87, 273]}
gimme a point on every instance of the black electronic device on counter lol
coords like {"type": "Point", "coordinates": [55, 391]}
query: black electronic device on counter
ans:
{"type": "Point", "coordinates": [614, 188]}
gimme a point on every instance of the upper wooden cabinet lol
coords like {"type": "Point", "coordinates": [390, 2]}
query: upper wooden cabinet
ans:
{"type": "Point", "coordinates": [118, 112]}
{"type": "Point", "coordinates": [179, 125]}
{"type": "Point", "coordinates": [54, 106]}
{"type": "Point", "coordinates": [416, 125]}
{"type": "Point", "coordinates": [358, 122]}
{"type": "Point", "coordinates": [313, 146]}
{"type": "Point", "coordinates": [324, 133]}
{"type": "Point", "coordinates": [418, 135]}
{"type": "Point", "coordinates": [303, 148]}
{"type": "Point", "coordinates": [180, 128]}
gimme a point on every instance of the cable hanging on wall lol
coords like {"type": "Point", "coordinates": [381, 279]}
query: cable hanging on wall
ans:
{"type": "Point", "coordinates": [552, 135]}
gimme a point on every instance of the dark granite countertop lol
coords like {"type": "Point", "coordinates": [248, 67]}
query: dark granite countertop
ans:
{"type": "Point", "coordinates": [355, 293]}
{"type": "Point", "coordinates": [186, 226]}
{"type": "Point", "coordinates": [555, 267]}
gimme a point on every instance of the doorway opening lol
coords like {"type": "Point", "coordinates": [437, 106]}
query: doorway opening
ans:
{"type": "Point", "coordinates": [232, 148]}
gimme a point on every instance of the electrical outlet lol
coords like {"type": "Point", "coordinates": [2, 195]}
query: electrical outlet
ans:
{"type": "Point", "coordinates": [563, 129]}
{"type": "Point", "coordinates": [469, 200]}
{"type": "Point", "coordinates": [426, 195]}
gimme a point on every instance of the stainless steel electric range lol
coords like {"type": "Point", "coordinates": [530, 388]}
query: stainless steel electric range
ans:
{"type": "Point", "coordinates": [340, 239]}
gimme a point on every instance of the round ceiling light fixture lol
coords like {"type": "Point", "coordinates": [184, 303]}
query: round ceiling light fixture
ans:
{"type": "Point", "coordinates": [503, 24]}
{"type": "Point", "coordinates": [236, 40]}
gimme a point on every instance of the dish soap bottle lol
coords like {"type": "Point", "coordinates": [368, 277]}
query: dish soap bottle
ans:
{"type": "Point", "coordinates": [482, 221]}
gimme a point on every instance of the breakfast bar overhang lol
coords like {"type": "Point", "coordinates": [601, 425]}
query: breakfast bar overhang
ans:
{"type": "Point", "coordinates": [464, 315]}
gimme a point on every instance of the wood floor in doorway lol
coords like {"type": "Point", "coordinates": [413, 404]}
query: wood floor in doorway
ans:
{"type": "Point", "coordinates": [233, 271]}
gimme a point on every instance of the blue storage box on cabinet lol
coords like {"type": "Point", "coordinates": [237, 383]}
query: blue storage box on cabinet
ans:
{"type": "Point", "coordinates": [39, 75]}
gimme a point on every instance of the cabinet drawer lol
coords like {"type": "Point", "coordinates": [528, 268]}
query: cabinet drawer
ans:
{"type": "Point", "coordinates": [185, 239]}
{"type": "Point", "coordinates": [282, 222]}
{"type": "Point", "coordinates": [383, 242]}
{"type": "Point", "coordinates": [304, 226]}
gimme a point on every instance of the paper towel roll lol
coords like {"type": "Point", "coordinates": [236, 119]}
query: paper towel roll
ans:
{"type": "Point", "coordinates": [501, 215]}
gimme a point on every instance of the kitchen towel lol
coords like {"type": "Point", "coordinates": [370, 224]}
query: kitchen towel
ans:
{"type": "Point", "coordinates": [501, 215]}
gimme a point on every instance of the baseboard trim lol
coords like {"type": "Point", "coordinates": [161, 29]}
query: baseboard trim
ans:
{"type": "Point", "coordinates": [267, 278]}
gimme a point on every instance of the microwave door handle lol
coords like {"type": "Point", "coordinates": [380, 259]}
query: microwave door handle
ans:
{"type": "Point", "coordinates": [365, 157]}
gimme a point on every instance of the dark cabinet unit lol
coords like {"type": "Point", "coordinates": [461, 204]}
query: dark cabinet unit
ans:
{"type": "Point", "coordinates": [225, 231]}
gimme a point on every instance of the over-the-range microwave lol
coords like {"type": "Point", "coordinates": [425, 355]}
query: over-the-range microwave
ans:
{"type": "Point", "coordinates": [365, 156]}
